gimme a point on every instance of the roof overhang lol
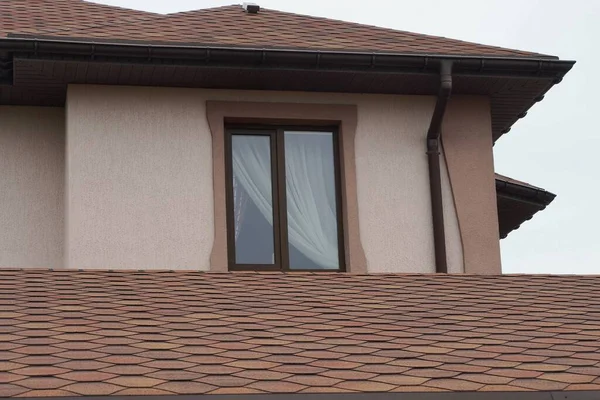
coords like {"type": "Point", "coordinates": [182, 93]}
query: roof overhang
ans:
{"type": "Point", "coordinates": [37, 70]}
{"type": "Point", "coordinates": [518, 202]}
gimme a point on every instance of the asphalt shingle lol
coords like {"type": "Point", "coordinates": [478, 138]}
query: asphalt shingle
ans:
{"type": "Point", "coordinates": [70, 333]}
{"type": "Point", "coordinates": [228, 26]}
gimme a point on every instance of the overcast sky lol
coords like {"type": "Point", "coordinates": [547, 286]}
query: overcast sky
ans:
{"type": "Point", "coordinates": [554, 147]}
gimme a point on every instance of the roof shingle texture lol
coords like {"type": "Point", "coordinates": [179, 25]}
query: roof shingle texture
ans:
{"type": "Point", "coordinates": [228, 26]}
{"type": "Point", "coordinates": [68, 332]}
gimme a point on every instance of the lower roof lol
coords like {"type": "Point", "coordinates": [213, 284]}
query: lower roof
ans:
{"type": "Point", "coordinates": [109, 333]}
{"type": "Point", "coordinates": [518, 202]}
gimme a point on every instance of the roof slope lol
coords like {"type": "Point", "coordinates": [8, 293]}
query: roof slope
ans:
{"type": "Point", "coordinates": [224, 26]}
{"type": "Point", "coordinates": [59, 17]}
{"type": "Point", "coordinates": [99, 333]}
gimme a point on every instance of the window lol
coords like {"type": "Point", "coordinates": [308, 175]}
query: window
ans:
{"type": "Point", "coordinates": [283, 199]}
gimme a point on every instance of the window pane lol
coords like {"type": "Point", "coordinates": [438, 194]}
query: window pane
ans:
{"type": "Point", "coordinates": [253, 199]}
{"type": "Point", "coordinates": [311, 200]}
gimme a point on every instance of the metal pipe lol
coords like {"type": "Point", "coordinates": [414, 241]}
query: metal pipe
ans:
{"type": "Point", "coordinates": [433, 158]}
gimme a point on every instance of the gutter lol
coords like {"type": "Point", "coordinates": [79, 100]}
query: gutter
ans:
{"type": "Point", "coordinates": [523, 194]}
{"type": "Point", "coordinates": [433, 158]}
{"type": "Point", "coordinates": [528, 194]}
{"type": "Point", "coordinates": [168, 54]}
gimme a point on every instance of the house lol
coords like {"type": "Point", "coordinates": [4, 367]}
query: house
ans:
{"type": "Point", "coordinates": [302, 179]}
{"type": "Point", "coordinates": [122, 145]}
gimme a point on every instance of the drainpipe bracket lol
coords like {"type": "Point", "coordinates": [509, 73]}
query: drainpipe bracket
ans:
{"type": "Point", "coordinates": [433, 146]}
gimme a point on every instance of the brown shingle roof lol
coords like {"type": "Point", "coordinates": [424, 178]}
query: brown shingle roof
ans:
{"type": "Point", "coordinates": [223, 26]}
{"type": "Point", "coordinates": [518, 202]}
{"type": "Point", "coordinates": [101, 333]}
{"type": "Point", "coordinates": [59, 17]}
{"type": "Point", "coordinates": [507, 179]}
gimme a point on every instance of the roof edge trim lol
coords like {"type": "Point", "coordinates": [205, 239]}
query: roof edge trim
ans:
{"type": "Point", "coordinates": [530, 194]}
{"type": "Point", "coordinates": [531, 395]}
{"type": "Point", "coordinates": [464, 64]}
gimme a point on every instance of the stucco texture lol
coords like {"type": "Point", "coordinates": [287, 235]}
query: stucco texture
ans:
{"type": "Point", "coordinates": [32, 141]}
{"type": "Point", "coordinates": [467, 142]}
{"type": "Point", "coordinates": [140, 178]}
{"type": "Point", "coordinates": [393, 187]}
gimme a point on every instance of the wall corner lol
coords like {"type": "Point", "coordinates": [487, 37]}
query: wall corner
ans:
{"type": "Point", "coordinates": [468, 145]}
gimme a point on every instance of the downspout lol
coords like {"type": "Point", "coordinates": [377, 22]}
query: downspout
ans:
{"type": "Point", "coordinates": [433, 157]}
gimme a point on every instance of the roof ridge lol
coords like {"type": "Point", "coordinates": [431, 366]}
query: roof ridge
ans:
{"type": "Point", "coordinates": [204, 9]}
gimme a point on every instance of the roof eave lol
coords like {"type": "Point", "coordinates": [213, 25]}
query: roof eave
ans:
{"type": "Point", "coordinates": [518, 203]}
{"type": "Point", "coordinates": [481, 65]}
{"type": "Point", "coordinates": [531, 194]}
{"type": "Point", "coordinates": [548, 69]}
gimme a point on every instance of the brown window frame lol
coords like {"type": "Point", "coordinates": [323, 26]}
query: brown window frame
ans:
{"type": "Point", "coordinates": [276, 132]}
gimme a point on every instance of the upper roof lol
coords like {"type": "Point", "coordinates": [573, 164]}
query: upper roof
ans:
{"type": "Point", "coordinates": [228, 26]}
{"type": "Point", "coordinates": [46, 45]}
{"type": "Point", "coordinates": [69, 332]}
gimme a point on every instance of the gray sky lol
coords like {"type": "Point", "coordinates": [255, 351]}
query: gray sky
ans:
{"type": "Point", "coordinates": [554, 147]}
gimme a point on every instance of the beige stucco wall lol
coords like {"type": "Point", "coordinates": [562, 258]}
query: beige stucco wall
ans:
{"type": "Point", "coordinates": [467, 140]}
{"type": "Point", "coordinates": [393, 186]}
{"type": "Point", "coordinates": [454, 246]}
{"type": "Point", "coordinates": [140, 178]}
{"type": "Point", "coordinates": [31, 187]}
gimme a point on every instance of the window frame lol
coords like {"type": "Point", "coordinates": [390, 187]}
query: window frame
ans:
{"type": "Point", "coordinates": [276, 134]}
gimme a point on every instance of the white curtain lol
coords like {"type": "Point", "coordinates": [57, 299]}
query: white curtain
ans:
{"type": "Point", "coordinates": [310, 191]}
{"type": "Point", "coordinates": [240, 199]}
{"type": "Point", "coordinates": [252, 169]}
{"type": "Point", "coordinates": [312, 223]}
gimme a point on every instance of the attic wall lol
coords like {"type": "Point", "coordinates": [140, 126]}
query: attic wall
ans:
{"type": "Point", "coordinates": [140, 181]}
{"type": "Point", "coordinates": [32, 152]}
{"type": "Point", "coordinates": [140, 178]}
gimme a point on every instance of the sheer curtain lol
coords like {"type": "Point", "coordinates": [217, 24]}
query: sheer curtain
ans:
{"type": "Point", "coordinates": [312, 222]}
{"type": "Point", "coordinates": [310, 191]}
{"type": "Point", "coordinates": [252, 170]}
{"type": "Point", "coordinates": [240, 199]}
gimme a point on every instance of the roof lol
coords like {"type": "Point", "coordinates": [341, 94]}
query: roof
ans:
{"type": "Point", "coordinates": [42, 17]}
{"type": "Point", "coordinates": [228, 26]}
{"type": "Point", "coordinates": [47, 45]}
{"type": "Point", "coordinates": [75, 333]}
{"type": "Point", "coordinates": [507, 179]}
{"type": "Point", "coordinates": [518, 202]}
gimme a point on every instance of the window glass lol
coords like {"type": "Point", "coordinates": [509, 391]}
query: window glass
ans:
{"type": "Point", "coordinates": [252, 199]}
{"type": "Point", "coordinates": [312, 223]}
